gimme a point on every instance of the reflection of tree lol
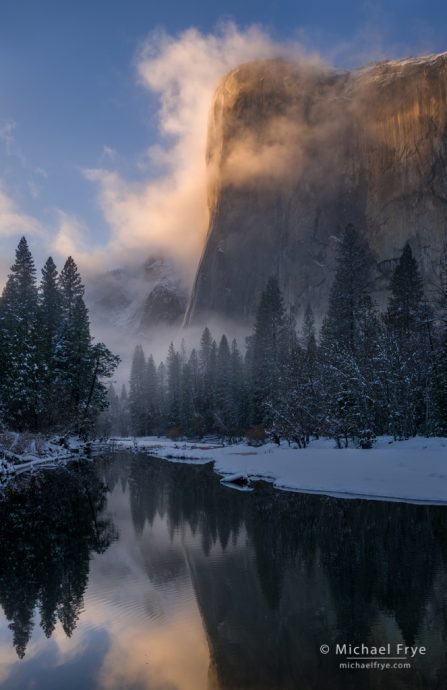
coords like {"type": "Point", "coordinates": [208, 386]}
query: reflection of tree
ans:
{"type": "Point", "coordinates": [376, 556]}
{"type": "Point", "coordinates": [383, 557]}
{"type": "Point", "coordinates": [48, 530]}
{"type": "Point", "coordinates": [114, 469]}
{"type": "Point", "coordinates": [189, 495]}
{"type": "Point", "coordinates": [316, 569]}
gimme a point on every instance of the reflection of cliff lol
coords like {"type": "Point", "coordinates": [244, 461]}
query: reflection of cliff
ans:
{"type": "Point", "coordinates": [254, 644]}
{"type": "Point", "coordinates": [295, 152]}
{"type": "Point", "coordinates": [320, 571]}
{"type": "Point", "coordinates": [48, 530]}
{"type": "Point", "coordinates": [276, 575]}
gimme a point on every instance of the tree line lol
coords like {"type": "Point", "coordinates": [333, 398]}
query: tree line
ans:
{"type": "Point", "coordinates": [52, 373]}
{"type": "Point", "coordinates": [367, 372]}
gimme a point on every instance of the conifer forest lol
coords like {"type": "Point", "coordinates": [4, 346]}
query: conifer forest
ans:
{"type": "Point", "coordinates": [368, 371]}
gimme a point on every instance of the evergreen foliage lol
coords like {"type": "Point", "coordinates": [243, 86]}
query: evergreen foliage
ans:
{"type": "Point", "coordinates": [52, 372]}
{"type": "Point", "coordinates": [369, 373]}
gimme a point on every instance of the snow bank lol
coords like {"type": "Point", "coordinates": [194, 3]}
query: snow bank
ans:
{"type": "Point", "coordinates": [26, 452]}
{"type": "Point", "coordinates": [413, 471]}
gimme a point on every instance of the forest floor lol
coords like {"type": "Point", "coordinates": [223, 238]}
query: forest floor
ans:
{"type": "Point", "coordinates": [413, 471]}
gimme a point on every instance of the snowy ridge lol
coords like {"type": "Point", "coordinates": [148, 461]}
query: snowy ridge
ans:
{"type": "Point", "coordinates": [412, 471]}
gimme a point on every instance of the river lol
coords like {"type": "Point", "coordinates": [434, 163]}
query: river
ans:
{"type": "Point", "coordinates": [133, 573]}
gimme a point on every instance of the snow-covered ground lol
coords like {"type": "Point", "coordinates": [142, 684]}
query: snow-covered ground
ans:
{"type": "Point", "coordinates": [413, 471]}
{"type": "Point", "coordinates": [26, 452]}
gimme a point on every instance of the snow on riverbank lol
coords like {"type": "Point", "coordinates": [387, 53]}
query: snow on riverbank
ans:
{"type": "Point", "coordinates": [26, 452]}
{"type": "Point", "coordinates": [413, 471]}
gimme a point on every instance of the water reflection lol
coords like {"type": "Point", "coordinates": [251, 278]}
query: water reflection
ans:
{"type": "Point", "coordinates": [210, 588]}
{"type": "Point", "coordinates": [48, 528]}
{"type": "Point", "coordinates": [314, 570]}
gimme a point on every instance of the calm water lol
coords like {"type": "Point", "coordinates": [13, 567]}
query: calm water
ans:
{"type": "Point", "coordinates": [131, 573]}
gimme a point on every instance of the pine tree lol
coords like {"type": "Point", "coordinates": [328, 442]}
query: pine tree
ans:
{"type": "Point", "coordinates": [197, 422]}
{"type": "Point", "coordinates": [50, 309]}
{"type": "Point", "coordinates": [407, 296]}
{"type": "Point", "coordinates": [187, 410]}
{"type": "Point", "coordinates": [239, 392]}
{"type": "Point", "coordinates": [410, 355]}
{"type": "Point", "coordinates": [124, 416]}
{"type": "Point", "coordinates": [193, 362]}
{"type": "Point", "coordinates": [206, 342]}
{"type": "Point", "coordinates": [268, 349]}
{"type": "Point", "coordinates": [287, 414]}
{"type": "Point", "coordinates": [173, 392]}
{"type": "Point", "coordinates": [210, 385]}
{"type": "Point", "coordinates": [162, 385]}
{"type": "Point", "coordinates": [207, 368]}
{"type": "Point", "coordinates": [71, 288]}
{"type": "Point", "coordinates": [52, 373]}
{"type": "Point", "coordinates": [311, 374]}
{"type": "Point", "coordinates": [347, 410]}
{"type": "Point", "coordinates": [20, 392]}
{"type": "Point", "coordinates": [352, 283]}
{"type": "Point", "coordinates": [151, 396]}
{"type": "Point", "coordinates": [137, 402]}
{"type": "Point", "coordinates": [73, 348]}
{"type": "Point", "coordinates": [73, 366]}
{"type": "Point", "coordinates": [49, 325]}
{"type": "Point", "coordinates": [223, 397]}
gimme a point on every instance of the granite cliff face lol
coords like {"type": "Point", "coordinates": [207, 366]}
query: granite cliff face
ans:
{"type": "Point", "coordinates": [297, 151]}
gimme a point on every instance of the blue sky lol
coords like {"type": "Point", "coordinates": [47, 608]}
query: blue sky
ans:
{"type": "Point", "coordinates": [77, 95]}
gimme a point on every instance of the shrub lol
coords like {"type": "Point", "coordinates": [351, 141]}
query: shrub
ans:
{"type": "Point", "coordinates": [255, 436]}
{"type": "Point", "coordinates": [173, 433]}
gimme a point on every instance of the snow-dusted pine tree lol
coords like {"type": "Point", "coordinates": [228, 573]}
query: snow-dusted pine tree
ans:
{"type": "Point", "coordinates": [137, 401]}
{"type": "Point", "coordinates": [347, 407]}
{"type": "Point", "coordinates": [268, 349]}
{"type": "Point", "coordinates": [21, 395]}
{"type": "Point", "coordinates": [411, 353]}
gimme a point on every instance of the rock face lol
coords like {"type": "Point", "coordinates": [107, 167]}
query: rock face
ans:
{"type": "Point", "coordinates": [164, 305]}
{"type": "Point", "coordinates": [297, 151]}
{"type": "Point", "coordinates": [138, 298]}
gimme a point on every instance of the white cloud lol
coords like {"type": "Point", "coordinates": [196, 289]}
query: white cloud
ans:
{"type": "Point", "coordinates": [168, 212]}
{"type": "Point", "coordinates": [13, 221]}
{"type": "Point", "coordinates": [72, 239]}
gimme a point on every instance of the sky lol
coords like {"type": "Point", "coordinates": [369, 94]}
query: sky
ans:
{"type": "Point", "coordinates": [104, 105]}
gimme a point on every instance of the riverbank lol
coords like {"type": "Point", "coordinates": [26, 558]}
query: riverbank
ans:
{"type": "Point", "coordinates": [27, 452]}
{"type": "Point", "coordinates": [411, 471]}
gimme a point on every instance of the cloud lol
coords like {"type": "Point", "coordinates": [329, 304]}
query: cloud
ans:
{"type": "Point", "coordinates": [30, 175]}
{"type": "Point", "coordinates": [71, 235]}
{"type": "Point", "coordinates": [168, 211]}
{"type": "Point", "coordinates": [13, 221]}
{"type": "Point", "coordinates": [7, 136]}
{"type": "Point", "coordinates": [72, 238]}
